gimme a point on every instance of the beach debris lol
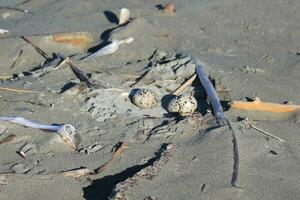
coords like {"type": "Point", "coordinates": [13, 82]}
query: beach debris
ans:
{"type": "Point", "coordinates": [75, 39]}
{"type": "Point", "coordinates": [76, 173]}
{"type": "Point", "coordinates": [111, 48]}
{"type": "Point", "coordinates": [17, 90]}
{"type": "Point", "coordinates": [162, 157]}
{"type": "Point", "coordinates": [259, 105]}
{"type": "Point", "coordinates": [249, 124]}
{"type": "Point", "coordinates": [167, 67]}
{"type": "Point", "coordinates": [23, 150]}
{"type": "Point", "coordinates": [74, 89]}
{"type": "Point", "coordinates": [151, 198]}
{"type": "Point", "coordinates": [119, 149]}
{"type": "Point", "coordinates": [17, 59]}
{"type": "Point", "coordinates": [21, 168]}
{"type": "Point", "coordinates": [209, 88]}
{"type": "Point", "coordinates": [145, 98]}
{"type": "Point", "coordinates": [186, 84]}
{"type": "Point", "coordinates": [66, 131]}
{"type": "Point", "coordinates": [124, 16]}
{"type": "Point", "coordinates": [3, 31]}
{"type": "Point", "coordinates": [92, 148]}
{"type": "Point", "coordinates": [3, 179]}
{"type": "Point", "coordinates": [38, 49]}
{"type": "Point", "coordinates": [7, 139]}
{"type": "Point", "coordinates": [79, 74]}
{"type": "Point", "coordinates": [252, 69]}
{"type": "Point", "coordinates": [15, 9]}
{"type": "Point", "coordinates": [169, 8]}
{"type": "Point", "coordinates": [184, 105]}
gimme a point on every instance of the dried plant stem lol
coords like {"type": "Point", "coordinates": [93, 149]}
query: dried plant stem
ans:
{"type": "Point", "coordinates": [17, 90]}
{"type": "Point", "coordinates": [39, 50]}
{"type": "Point", "coordinates": [116, 154]}
{"type": "Point", "coordinates": [262, 131]}
{"type": "Point", "coordinates": [185, 85]}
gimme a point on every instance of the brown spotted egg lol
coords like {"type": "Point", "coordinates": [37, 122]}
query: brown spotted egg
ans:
{"type": "Point", "coordinates": [184, 105]}
{"type": "Point", "coordinates": [145, 98]}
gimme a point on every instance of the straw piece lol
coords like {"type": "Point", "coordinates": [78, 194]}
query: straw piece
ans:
{"type": "Point", "coordinates": [247, 122]}
{"type": "Point", "coordinates": [17, 90]}
{"type": "Point", "coordinates": [185, 85]}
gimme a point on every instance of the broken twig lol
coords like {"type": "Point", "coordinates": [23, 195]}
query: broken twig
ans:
{"type": "Point", "coordinates": [250, 125]}
{"type": "Point", "coordinates": [120, 149]}
{"type": "Point", "coordinates": [185, 84]}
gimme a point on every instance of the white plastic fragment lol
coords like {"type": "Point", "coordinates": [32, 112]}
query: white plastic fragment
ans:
{"type": "Point", "coordinates": [66, 131]}
{"type": "Point", "coordinates": [111, 48]}
{"type": "Point", "coordinates": [124, 16]}
{"type": "Point", "coordinates": [3, 31]}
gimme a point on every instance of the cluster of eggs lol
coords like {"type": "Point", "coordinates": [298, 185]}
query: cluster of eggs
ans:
{"type": "Point", "coordinates": [183, 105]}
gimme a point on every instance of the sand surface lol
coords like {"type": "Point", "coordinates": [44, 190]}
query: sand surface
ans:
{"type": "Point", "coordinates": [252, 49]}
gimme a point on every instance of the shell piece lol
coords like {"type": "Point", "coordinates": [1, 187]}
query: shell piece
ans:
{"type": "Point", "coordinates": [124, 16]}
{"type": "Point", "coordinates": [145, 98]}
{"type": "Point", "coordinates": [184, 105]}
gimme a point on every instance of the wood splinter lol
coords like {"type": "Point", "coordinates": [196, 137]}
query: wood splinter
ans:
{"type": "Point", "coordinates": [258, 105]}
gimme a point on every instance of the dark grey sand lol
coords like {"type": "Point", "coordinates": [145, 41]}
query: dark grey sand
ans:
{"type": "Point", "coordinates": [252, 47]}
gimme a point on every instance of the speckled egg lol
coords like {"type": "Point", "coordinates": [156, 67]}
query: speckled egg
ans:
{"type": "Point", "coordinates": [184, 105]}
{"type": "Point", "coordinates": [145, 98]}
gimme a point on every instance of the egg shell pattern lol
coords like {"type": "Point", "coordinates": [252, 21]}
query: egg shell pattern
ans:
{"type": "Point", "coordinates": [184, 105]}
{"type": "Point", "coordinates": [145, 98]}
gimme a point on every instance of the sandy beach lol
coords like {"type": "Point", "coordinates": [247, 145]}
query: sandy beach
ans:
{"type": "Point", "coordinates": [52, 73]}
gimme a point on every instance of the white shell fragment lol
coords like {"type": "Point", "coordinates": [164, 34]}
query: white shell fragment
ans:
{"type": "Point", "coordinates": [3, 31]}
{"type": "Point", "coordinates": [145, 98]}
{"type": "Point", "coordinates": [124, 16]}
{"type": "Point", "coordinates": [184, 105]}
{"type": "Point", "coordinates": [111, 48]}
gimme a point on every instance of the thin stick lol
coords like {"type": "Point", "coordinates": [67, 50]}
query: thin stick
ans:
{"type": "Point", "coordinates": [185, 85]}
{"type": "Point", "coordinates": [116, 154]}
{"type": "Point", "coordinates": [17, 59]}
{"type": "Point", "coordinates": [39, 50]}
{"type": "Point", "coordinates": [264, 132]}
{"type": "Point", "coordinates": [16, 90]}
{"type": "Point", "coordinates": [79, 74]}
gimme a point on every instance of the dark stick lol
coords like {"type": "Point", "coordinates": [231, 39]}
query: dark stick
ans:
{"type": "Point", "coordinates": [39, 50]}
{"type": "Point", "coordinates": [18, 57]}
{"type": "Point", "coordinates": [79, 74]}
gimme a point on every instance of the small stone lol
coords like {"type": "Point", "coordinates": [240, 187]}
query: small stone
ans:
{"type": "Point", "coordinates": [145, 98]}
{"type": "Point", "coordinates": [184, 105]}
